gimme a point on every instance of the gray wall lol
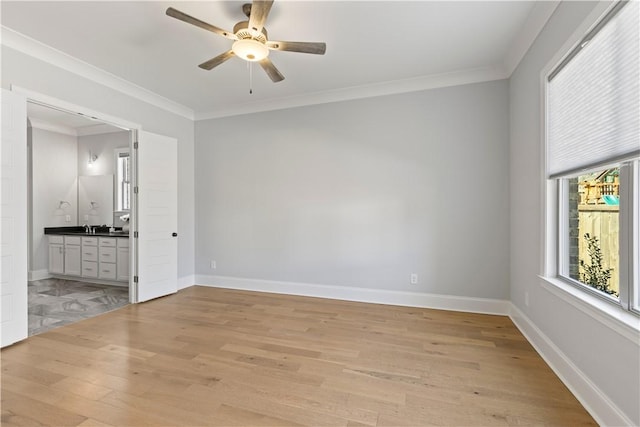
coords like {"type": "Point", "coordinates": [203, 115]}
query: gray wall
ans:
{"type": "Point", "coordinates": [30, 73]}
{"type": "Point", "coordinates": [361, 193]}
{"type": "Point", "coordinates": [103, 146]}
{"type": "Point", "coordinates": [54, 178]}
{"type": "Point", "coordinates": [609, 360]}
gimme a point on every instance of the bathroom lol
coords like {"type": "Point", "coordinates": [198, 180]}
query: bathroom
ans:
{"type": "Point", "coordinates": [79, 205]}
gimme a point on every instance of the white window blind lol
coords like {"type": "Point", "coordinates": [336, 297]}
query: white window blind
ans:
{"type": "Point", "coordinates": [594, 98]}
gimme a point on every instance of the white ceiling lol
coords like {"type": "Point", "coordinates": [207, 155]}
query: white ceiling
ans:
{"type": "Point", "coordinates": [373, 47]}
{"type": "Point", "coordinates": [47, 118]}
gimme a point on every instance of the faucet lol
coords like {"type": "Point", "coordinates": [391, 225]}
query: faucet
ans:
{"type": "Point", "coordinates": [87, 229]}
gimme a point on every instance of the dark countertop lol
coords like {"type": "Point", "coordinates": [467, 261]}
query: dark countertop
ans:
{"type": "Point", "coordinates": [80, 231]}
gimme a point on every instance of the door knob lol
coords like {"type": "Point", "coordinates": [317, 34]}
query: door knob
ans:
{"type": "Point", "coordinates": [174, 234]}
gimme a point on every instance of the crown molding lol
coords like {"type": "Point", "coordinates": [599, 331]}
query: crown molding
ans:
{"type": "Point", "coordinates": [52, 127]}
{"type": "Point", "coordinates": [43, 52]}
{"type": "Point", "coordinates": [58, 104]}
{"type": "Point", "coordinates": [434, 81]}
{"type": "Point", "coordinates": [537, 19]}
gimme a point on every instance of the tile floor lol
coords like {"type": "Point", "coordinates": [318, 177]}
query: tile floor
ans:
{"type": "Point", "coordinates": [58, 302]}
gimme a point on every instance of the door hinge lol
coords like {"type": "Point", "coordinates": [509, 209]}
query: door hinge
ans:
{"type": "Point", "coordinates": [135, 190]}
{"type": "Point", "coordinates": [135, 234]}
{"type": "Point", "coordinates": [135, 145]}
{"type": "Point", "coordinates": [135, 279]}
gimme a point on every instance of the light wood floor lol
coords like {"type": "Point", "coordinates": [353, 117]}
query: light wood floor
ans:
{"type": "Point", "coordinates": [219, 357]}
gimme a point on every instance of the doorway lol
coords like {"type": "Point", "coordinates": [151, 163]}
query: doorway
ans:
{"type": "Point", "coordinates": [79, 189]}
{"type": "Point", "coordinates": [151, 255]}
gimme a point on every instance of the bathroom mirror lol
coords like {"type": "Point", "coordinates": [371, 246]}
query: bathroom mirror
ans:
{"type": "Point", "coordinates": [95, 199]}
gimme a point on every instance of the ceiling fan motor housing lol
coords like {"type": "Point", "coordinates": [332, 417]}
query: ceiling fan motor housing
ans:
{"type": "Point", "coordinates": [241, 30]}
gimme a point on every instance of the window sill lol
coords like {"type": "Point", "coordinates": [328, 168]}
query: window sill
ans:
{"type": "Point", "coordinates": [623, 322]}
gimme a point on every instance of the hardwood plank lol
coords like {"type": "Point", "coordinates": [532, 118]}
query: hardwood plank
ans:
{"type": "Point", "coordinates": [230, 415]}
{"type": "Point", "coordinates": [169, 414]}
{"type": "Point", "coordinates": [93, 423]}
{"type": "Point", "coordinates": [22, 410]}
{"type": "Point", "coordinates": [31, 373]}
{"type": "Point", "coordinates": [208, 356]}
{"type": "Point", "coordinates": [82, 388]}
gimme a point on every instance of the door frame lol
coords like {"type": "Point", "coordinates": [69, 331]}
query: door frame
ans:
{"type": "Point", "coordinates": [134, 129]}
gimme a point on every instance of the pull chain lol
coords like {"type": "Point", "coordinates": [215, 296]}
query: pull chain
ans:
{"type": "Point", "coordinates": [250, 77]}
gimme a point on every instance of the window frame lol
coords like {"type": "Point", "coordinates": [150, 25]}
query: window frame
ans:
{"type": "Point", "coordinates": [625, 229]}
{"type": "Point", "coordinates": [554, 218]}
{"type": "Point", "coordinates": [117, 183]}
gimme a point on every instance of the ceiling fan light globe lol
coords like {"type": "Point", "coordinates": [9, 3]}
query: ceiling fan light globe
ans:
{"type": "Point", "coordinates": [250, 50]}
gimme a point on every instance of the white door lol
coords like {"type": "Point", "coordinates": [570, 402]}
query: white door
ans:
{"type": "Point", "coordinates": [13, 219]}
{"type": "Point", "coordinates": [157, 224]}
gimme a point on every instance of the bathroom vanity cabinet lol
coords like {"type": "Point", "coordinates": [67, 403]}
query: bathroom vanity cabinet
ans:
{"type": "Point", "coordinates": [64, 255]}
{"type": "Point", "coordinates": [89, 257]}
{"type": "Point", "coordinates": [56, 254]}
{"type": "Point", "coordinates": [122, 260]}
{"type": "Point", "coordinates": [107, 258]}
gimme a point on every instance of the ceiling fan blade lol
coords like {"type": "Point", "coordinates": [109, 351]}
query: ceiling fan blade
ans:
{"type": "Point", "coordinates": [214, 62]}
{"type": "Point", "coordinates": [174, 13]}
{"type": "Point", "coordinates": [316, 48]}
{"type": "Point", "coordinates": [259, 12]}
{"type": "Point", "coordinates": [271, 70]}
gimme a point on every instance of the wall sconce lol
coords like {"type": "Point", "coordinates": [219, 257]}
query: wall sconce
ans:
{"type": "Point", "coordinates": [94, 208]}
{"type": "Point", "coordinates": [60, 209]}
{"type": "Point", "coordinates": [92, 158]}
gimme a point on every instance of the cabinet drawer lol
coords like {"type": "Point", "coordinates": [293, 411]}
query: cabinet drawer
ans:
{"type": "Point", "coordinates": [89, 253]}
{"type": "Point", "coordinates": [71, 240]}
{"type": "Point", "coordinates": [89, 241]}
{"type": "Point", "coordinates": [89, 269]}
{"type": "Point", "coordinates": [123, 242]}
{"type": "Point", "coordinates": [56, 239]}
{"type": "Point", "coordinates": [107, 271]}
{"type": "Point", "coordinates": [109, 242]}
{"type": "Point", "coordinates": [107, 254]}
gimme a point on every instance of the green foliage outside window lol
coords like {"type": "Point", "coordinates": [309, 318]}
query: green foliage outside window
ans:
{"type": "Point", "coordinates": [595, 274]}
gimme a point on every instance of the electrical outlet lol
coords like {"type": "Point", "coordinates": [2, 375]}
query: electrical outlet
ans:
{"type": "Point", "coordinates": [67, 218]}
{"type": "Point", "coordinates": [526, 299]}
{"type": "Point", "coordinates": [86, 217]}
{"type": "Point", "coordinates": [414, 279]}
{"type": "Point", "coordinates": [213, 264]}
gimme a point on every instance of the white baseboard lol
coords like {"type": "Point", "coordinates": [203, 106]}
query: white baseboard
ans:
{"type": "Point", "coordinates": [39, 275]}
{"type": "Point", "coordinates": [186, 281]}
{"type": "Point", "coordinates": [376, 296]}
{"type": "Point", "coordinates": [598, 404]}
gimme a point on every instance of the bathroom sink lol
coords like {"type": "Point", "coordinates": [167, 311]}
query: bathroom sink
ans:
{"type": "Point", "coordinates": [80, 231]}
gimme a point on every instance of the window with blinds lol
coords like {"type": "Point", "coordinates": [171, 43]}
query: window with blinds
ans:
{"type": "Point", "coordinates": [592, 152]}
{"type": "Point", "coordinates": [593, 97]}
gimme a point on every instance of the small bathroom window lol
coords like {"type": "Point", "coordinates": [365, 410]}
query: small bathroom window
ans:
{"type": "Point", "coordinates": [123, 180]}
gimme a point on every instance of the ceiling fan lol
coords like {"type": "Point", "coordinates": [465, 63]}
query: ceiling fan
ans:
{"type": "Point", "coordinates": [250, 39]}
